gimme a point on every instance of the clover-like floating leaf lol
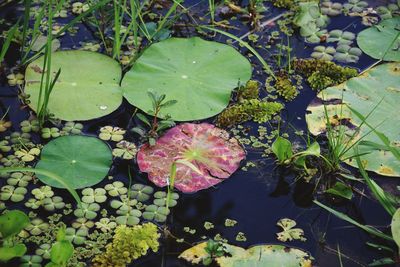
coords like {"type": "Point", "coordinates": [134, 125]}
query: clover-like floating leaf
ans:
{"type": "Point", "coordinates": [81, 160]}
{"type": "Point", "coordinates": [382, 41]}
{"type": "Point", "coordinates": [376, 91]}
{"type": "Point", "coordinates": [289, 233]}
{"type": "Point", "coordinates": [87, 88]}
{"type": "Point", "coordinates": [261, 255]}
{"type": "Point", "coordinates": [207, 148]}
{"type": "Point", "coordinates": [200, 77]}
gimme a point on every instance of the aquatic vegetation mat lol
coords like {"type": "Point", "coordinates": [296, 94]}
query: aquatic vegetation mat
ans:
{"type": "Point", "coordinates": [375, 94]}
{"type": "Point", "coordinates": [210, 149]}
{"type": "Point", "coordinates": [87, 88]}
{"type": "Point", "coordinates": [80, 160]}
{"type": "Point", "coordinates": [199, 74]}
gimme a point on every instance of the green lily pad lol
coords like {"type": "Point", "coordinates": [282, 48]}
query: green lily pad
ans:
{"type": "Point", "coordinates": [377, 90]}
{"type": "Point", "coordinates": [382, 41]}
{"type": "Point", "coordinates": [87, 88]}
{"type": "Point", "coordinates": [199, 74]}
{"type": "Point", "coordinates": [262, 255]}
{"type": "Point", "coordinates": [81, 160]}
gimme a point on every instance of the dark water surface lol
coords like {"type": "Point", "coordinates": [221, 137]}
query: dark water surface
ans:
{"type": "Point", "coordinates": [258, 198]}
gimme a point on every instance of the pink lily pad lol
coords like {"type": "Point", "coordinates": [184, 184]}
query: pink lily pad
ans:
{"type": "Point", "coordinates": [210, 149]}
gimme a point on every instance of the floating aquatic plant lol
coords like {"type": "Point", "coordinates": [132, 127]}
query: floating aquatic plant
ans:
{"type": "Point", "coordinates": [210, 149]}
{"type": "Point", "coordinates": [285, 87]}
{"type": "Point", "coordinates": [389, 11]}
{"type": "Point", "coordinates": [321, 74]}
{"type": "Point", "coordinates": [323, 53]}
{"type": "Point", "coordinates": [341, 37]}
{"type": "Point", "coordinates": [347, 54]}
{"type": "Point", "coordinates": [129, 244]}
{"type": "Point", "coordinates": [71, 127]}
{"type": "Point", "coordinates": [4, 125]}
{"type": "Point", "coordinates": [250, 91]}
{"type": "Point", "coordinates": [125, 150]}
{"type": "Point", "coordinates": [331, 8]}
{"type": "Point", "coordinates": [141, 192]}
{"type": "Point", "coordinates": [15, 79]}
{"type": "Point", "coordinates": [116, 188]}
{"type": "Point", "coordinates": [253, 109]}
{"type": "Point", "coordinates": [289, 233]}
{"type": "Point", "coordinates": [28, 126]}
{"type": "Point", "coordinates": [109, 133]}
{"type": "Point", "coordinates": [355, 5]}
{"type": "Point", "coordinates": [52, 132]}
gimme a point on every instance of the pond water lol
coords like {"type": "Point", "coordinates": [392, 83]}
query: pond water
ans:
{"type": "Point", "coordinates": [257, 198]}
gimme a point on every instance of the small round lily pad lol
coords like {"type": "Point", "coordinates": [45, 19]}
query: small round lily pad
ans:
{"type": "Point", "coordinates": [199, 74]}
{"type": "Point", "coordinates": [81, 160]}
{"type": "Point", "coordinates": [87, 87]}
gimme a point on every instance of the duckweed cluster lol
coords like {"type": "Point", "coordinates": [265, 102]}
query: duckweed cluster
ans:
{"type": "Point", "coordinates": [321, 74]}
{"type": "Point", "coordinates": [129, 243]}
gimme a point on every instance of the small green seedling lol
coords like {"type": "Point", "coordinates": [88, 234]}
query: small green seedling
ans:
{"type": "Point", "coordinates": [156, 126]}
{"type": "Point", "coordinates": [61, 251]}
{"type": "Point", "coordinates": [214, 250]}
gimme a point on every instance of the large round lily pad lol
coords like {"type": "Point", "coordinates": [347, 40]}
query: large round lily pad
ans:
{"type": "Point", "coordinates": [204, 154]}
{"type": "Point", "coordinates": [382, 41]}
{"type": "Point", "coordinates": [261, 255]}
{"type": "Point", "coordinates": [87, 88]}
{"type": "Point", "coordinates": [81, 160]}
{"type": "Point", "coordinates": [377, 90]}
{"type": "Point", "coordinates": [199, 74]}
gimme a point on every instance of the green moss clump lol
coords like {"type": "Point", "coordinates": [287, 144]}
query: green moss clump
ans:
{"type": "Point", "coordinates": [250, 91]}
{"type": "Point", "coordinates": [253, 109]}
{"type": "Point", "coordinates": [129, 244]}
{"type": "Point", "coordinates": [321, 74]}
{"type": "Point", "coordinates": [284, 87]}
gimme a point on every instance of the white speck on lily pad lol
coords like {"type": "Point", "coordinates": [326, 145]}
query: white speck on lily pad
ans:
{"type": "Point", "coordinates": [103, 107]}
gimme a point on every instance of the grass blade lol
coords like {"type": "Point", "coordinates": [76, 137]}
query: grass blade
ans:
{"type": "Point", "coordinates": [369, 229]}
{"type": "Point", "coordinates": [7, 42]}
{"type": "Point", "coordinates": [245, 44]}
{"type": "Point", "coordinates": [376, 190]}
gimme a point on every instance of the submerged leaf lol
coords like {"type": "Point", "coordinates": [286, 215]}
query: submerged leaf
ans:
{"type": "Point", "coordinates": [204, 146]}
